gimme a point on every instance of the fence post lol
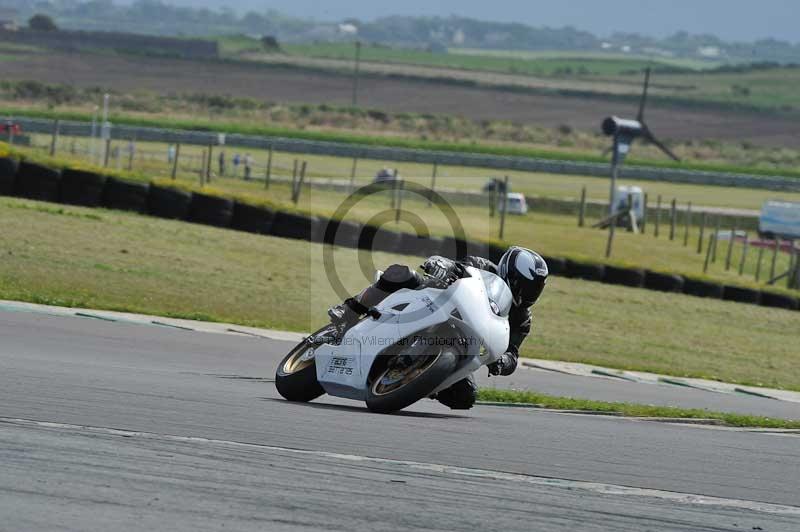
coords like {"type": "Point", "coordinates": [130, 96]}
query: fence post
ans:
{"type": "Point", "coordinates": [611, 230]}
{"type": "Point", "coordinates": [716, 240]}
{"type": "Point", "coordinates": [202, 168]}
{"type": "Point", "coordinates": [493, 198]}
{"type": "Point", "coordinates": [294, 178]}
{"type": "Point", "coordinates": [644, 214]}
{"type": "Point", "coordinates": [399, 188]}
{"type": "Point", "coordinates": [758, 264]}
{"type": "Point", "coordinates": [268, 177]}
{"type": "Point", "coordinates": [673, 215]}
{"type": "Point", "coordinates": [504, 208]}
{"type": "Point", "coordinates": [353, 174]}
{"type": "Point", "coordinates": [712, 244]}
{"type": "Point", "coordinates": [208, 163]}
{"type": "Point", "coordinates": [107, 154]}
{"type": "Point", "coordinates": [433, 183]}
{"type": "Point", "coordinates": [688, 223]}
{"type": "Point", "coordinates": [131, 151]}
{"type": "Point", "coordinates": [730, 248]}
{"type": "Point", "coordinates": [175, 162]}
{"type": "Point", "coordinates": [774, 259]}
{"type": "Point", "coordinates": [743, 259]}
{"type": "Point", "coordinates": [582, 210]}
{"type": "Point", "coordinates": [658, 215]}
{"type": "Point", "coordinates": [296, 196]}
{"type": "Point", "coordinates": [703, 221]}
{"type": "Point", "coordinates": [54, 139]}
{"type": "Point", "coordinates": [792, 266]}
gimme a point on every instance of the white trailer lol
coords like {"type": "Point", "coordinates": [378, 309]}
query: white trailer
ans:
{"type": "Point", "coordinates": [780, 219]}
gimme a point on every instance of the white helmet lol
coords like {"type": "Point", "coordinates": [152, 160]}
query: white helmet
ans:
{"type": "Point", "coordinates": [525, 272]}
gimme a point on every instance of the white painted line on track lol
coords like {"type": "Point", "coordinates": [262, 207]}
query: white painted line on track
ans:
{"type": "Point", "coordinates": [594, 487]}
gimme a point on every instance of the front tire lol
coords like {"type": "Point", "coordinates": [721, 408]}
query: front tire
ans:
{"type": "Point", "coordinates": [385, 395]}
{"type": "Point", "coordinates": [296, 376]}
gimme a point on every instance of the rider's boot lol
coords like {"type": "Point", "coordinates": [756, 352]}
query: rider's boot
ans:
{"type": "Point", "coordinates": [460, 396]}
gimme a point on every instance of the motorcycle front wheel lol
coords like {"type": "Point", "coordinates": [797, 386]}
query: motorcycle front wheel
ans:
{"type": "Point", "coordinates": [400, 384]}
{"type": "Point", "coordinates": [296, 376]}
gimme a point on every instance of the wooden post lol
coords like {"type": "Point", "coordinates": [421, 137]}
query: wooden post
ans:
{"type": "Point", "coordinates": [582, 209]}
{"type": "Point", "coordinates": [503, 208]}
{"type": "Point", "coordinates": [202, 169]}
{"type": "Point", "coordinates": [743, 259]}
{"type": "Point", "coordinates": [611, 229]}
{"type": "Point", "coordinates": [107, 154]}
{"type": "Point", "coordinates": [296, 197]}
{"type": "Point", "coordinates": [673, 215]}
{"type": "Point", "coordinates": [631, 220]}
{"type": "Point", "coordinates": [658, 215]}
{"type": "Point", "coordinates": [643, 226]}
{"type": "Point", "coordinates": [208, 163]}
{"type": "Point", "coordinates": [758, 264]}
{"type": "Point", "coordinates": [399, 188]}
{"type": "Point", "coordinates": [712, 244]}
{"type": "Point", "coordinates": [703, 221]}
{"type": "Point", "coordinates": [433, 183]}
{"type": "Point", "coordinates": [54, 139]}
{"type": "Point", "coordinates": [730, 249]}
{"type": "Point", "coordinates": [716, 240]}
{"type": "Point", "coordinates": [688, 217]}
{"type": "Point", "coordinates": [493, 198]}
{"type": "Point", "coordinates": [175, 162]}
{"type": "Point", "coordinates": [130, 155]}
{"type": "Point", "coordinates": [774, 258]}
{"type": "Point", "coordinates": [353, 174]}
{"type": "Point", "coordinates": [792, 266]}
{"type": "Point", "coordinates": [268, 177]}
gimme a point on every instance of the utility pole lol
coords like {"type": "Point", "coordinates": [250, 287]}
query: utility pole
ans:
{"type": "Point", "coordinates": [356, 72]}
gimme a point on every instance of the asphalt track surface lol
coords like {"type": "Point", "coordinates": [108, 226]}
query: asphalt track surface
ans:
{"type": "Point", "coordinates": [112, 426]}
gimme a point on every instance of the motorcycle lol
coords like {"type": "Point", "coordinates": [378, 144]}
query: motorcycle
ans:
{"type": "Point", "coordinates": [412, 345]}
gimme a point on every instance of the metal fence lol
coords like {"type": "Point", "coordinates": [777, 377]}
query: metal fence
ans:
{"type": "Point", "coordinates": [442, 158]}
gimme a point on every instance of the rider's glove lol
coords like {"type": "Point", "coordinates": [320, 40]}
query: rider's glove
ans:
{"type": "Point", "coordinates": [505, 365]}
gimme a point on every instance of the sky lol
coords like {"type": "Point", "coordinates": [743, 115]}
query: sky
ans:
{"type": "Point", "coordinates": [739, 20]}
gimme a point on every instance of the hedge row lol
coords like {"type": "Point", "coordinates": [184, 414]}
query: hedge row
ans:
{"type": "Point", "coordinates": [76, 187]}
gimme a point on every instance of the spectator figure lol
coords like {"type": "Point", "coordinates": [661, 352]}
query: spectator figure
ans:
{"type": "Point", "coordinates": [248, 166]}
{"type": "Point", "coordinates": [236, 160]}
{"type": "Point", "coordinates": [222, 163]}
{"type": "Point", "coordinates": [171, 154]}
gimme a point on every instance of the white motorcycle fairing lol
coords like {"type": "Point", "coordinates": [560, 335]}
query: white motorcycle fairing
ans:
{"type": "Point", "coordinates": [343, 369]}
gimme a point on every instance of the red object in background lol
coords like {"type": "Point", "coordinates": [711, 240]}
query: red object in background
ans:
{"type": "Point", "coordinates": [11, 127]}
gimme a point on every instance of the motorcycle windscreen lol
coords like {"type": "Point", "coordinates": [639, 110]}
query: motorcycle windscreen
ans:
{"type": "Point", "coordinates": [498, 293]}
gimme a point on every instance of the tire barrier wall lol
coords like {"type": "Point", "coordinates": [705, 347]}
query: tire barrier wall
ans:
{"type": "Point", "coordinates": [442, 158]}
{"type": "Point", "coordinates": [86, 188]}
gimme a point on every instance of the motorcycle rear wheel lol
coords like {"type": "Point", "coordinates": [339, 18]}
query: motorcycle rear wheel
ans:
{"type": "Point", "coordinates": [392, 389]}
{"type": "Point", "coordinates": [296, 376]}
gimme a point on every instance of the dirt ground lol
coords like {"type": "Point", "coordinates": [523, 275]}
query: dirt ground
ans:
{"type": "Point", "coordinates": [282, 84]}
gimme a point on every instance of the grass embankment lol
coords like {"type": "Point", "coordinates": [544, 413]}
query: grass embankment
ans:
{"type": "Point", "coordinates": [119, 261]}
{"type": "Point", "coordinates": [491, 395]}
{"type": "Point", "coordinates": [551, 234]}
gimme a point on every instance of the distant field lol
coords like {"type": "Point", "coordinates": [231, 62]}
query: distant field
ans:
{"type": "Point", "coordinates": [544, 64]}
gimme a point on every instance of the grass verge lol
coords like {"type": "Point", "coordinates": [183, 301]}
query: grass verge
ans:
{"type": "Point", "coordinates": [631, 409]}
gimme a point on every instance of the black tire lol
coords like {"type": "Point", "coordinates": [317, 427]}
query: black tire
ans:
{"type": "Point", "coordinates": [478, 249]}
{"type": "Point", "coordinates": [633, 277]}
{"type": "Point", "coordinates": [663, 282]}
{"type": "Point", "coordinates": [699, 288]}
{"type": "Point", "coordinates": [37, 182]}
{"type": "Point", "coordinates": [771, 299]}
{"type": "Point", "coordinates": [8, 174]}
{"type": "Point", "coordinates": [584, 270]}
{"type": "Point", "coordinates": [454, 248]}
{"type": "Point", "coordinates": [741, 295]}
{"type": "Point", "coordinates": [252, 219]}
{"type": "Point", "coordinates": [170, 203]}
{"type": "Point", "coordinates": [83, 188]}
{"type": "Point", "coordinates": [211, 210]}
{"type": "Point", "coordinates": [297, 382]}
{"type": "Point", "coordinates": [556, 265]}
{"type": "Point", "coordinates": [125, 195]}
{"type": "Point", "coordinates": [496, 253]}
{"type": "Point", "coordinates": [411, 244]}
{"type": "Point", "coordinates": [419, 388]}
{"type": "Point", "coordinates": [291, 225]}
{"type": "Point", "coordinates": [431, 245]}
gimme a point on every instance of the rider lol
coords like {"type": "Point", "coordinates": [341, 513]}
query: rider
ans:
{"type": "Point", "coordinates": [524, 271]}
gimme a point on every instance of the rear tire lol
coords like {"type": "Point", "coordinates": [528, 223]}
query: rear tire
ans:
{"type": "Point", "coordinates": [422, 386]}
{"type": "Point", "coordinates": [296, 379]}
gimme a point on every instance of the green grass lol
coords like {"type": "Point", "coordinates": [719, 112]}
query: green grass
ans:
{"type": "Point", "coordinates": [551, 234]}
{"type": "Point", "coordinates": [377, 140]}
{"type": "Point", "coordinates": [631, 409]}
{"type": "Point", "coordinates": [119, 261]}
